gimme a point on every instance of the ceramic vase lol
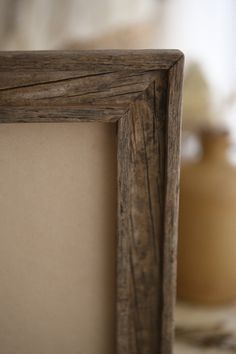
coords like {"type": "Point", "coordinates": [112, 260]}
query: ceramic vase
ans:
{"type": "Point", "coordinates": [207, 227]}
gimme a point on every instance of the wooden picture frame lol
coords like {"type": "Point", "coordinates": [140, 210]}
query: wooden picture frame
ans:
{"type": "Point", "coordinates": [140, 91]}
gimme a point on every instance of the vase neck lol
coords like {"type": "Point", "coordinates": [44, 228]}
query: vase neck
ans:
{"type": "Point", "coordinates": [215, 145]}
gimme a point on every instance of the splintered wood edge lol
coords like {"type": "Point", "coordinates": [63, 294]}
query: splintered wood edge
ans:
{"type": "Point", "coordinates": [148, 59]}
{"type": "Point", "coordinates": [171, 204]}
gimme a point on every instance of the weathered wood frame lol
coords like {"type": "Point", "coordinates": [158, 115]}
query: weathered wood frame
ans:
{"type": "Point", "coordinates": [140, 91]}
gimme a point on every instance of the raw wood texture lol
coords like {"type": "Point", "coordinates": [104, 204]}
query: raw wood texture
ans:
{"type": "Point", "coordinates": [141, 92]}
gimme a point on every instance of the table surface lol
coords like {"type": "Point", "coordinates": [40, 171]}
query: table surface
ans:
{"type": "Point", "coordinates": [205, 330]}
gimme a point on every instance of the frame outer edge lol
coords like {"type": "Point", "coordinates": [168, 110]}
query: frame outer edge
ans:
{"type": "Point", "coordinates": [175, 68]}
{"type": "Point", "coordinates": [171, 206]}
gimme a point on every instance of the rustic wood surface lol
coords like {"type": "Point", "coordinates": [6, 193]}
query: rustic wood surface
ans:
{"type": "Point", "coordinates": [141, 92]}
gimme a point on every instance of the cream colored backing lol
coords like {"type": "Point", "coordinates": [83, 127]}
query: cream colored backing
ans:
{"type": "Point", "coordinates": [57, 238]}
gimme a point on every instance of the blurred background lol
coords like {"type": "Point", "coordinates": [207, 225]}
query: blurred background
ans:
{"type": "Point", "coordinates": [205, 31]}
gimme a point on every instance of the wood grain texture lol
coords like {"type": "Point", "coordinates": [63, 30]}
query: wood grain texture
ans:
{"type": "Point", "coordinates": [88, 62]}
{"type": "Point", "coordinates": [140, 91]}
{"type": "Point", "coordinates": [74, 86]}
{"type": "Point", "coordinates": [141, 158]}
{"type": "Point", "coordinates": [171, 207]}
